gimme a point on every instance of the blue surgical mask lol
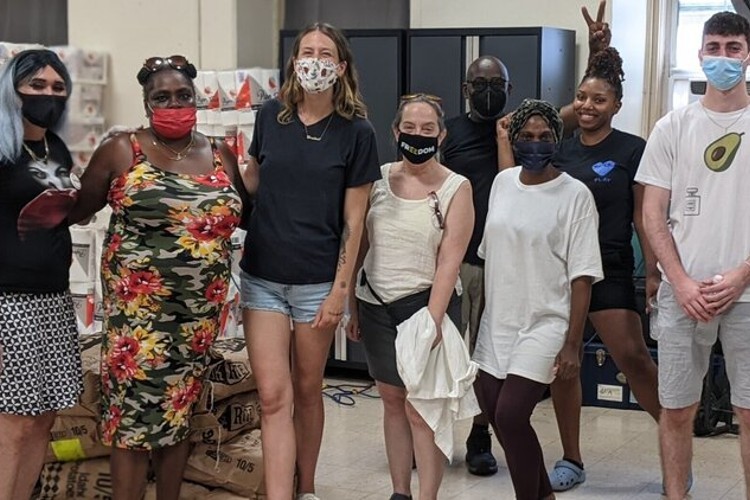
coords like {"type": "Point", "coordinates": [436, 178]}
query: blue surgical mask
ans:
{"type": "Point", "coordinates": [723, 73]}
{"type": "Point", "coordinates": [534, 155]}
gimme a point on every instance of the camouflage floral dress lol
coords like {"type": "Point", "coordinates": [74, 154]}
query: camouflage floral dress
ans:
{"type": "Point", "coordinates": [165, 273]}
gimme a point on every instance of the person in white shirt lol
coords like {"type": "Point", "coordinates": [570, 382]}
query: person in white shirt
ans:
{"type": "Point", "coordinates": [418, 227]}
{"type": "Point", "coordinates": [695, 205]}
{"type": "Point", "coordinates": [541, 253]}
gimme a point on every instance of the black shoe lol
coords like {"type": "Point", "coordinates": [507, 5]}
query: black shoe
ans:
{"type": "Point", "coordinates": [400, 496]}
{"type": "Point", "coordinates": [479, 458]}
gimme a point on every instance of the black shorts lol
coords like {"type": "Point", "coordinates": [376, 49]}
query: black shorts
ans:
{"type": "Point", "coordinates": [613, 293]}
{"type": "Point", "coordinates": [378, 326]}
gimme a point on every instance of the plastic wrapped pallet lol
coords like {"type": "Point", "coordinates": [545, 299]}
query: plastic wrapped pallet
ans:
{"type": "Point", "coordinates": [236, 466]}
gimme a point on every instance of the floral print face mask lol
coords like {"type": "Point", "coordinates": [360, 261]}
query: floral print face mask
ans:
{"type": "Point", "coordinates": [315, 75]}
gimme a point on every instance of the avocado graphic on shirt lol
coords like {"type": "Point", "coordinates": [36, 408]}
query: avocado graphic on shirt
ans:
{"type": "Point", "coordinates": [720, 154]}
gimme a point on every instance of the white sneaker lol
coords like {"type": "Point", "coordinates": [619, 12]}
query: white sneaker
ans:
{"type": "Point", "coordinates": [307, 496]}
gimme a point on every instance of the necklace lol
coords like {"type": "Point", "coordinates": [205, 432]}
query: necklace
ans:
{"type": "Point", "coordinates": [320, 137]}
{"type": "Point", "coordinates": [34, 156]}
{"type": "Point", "coordinates": [178, 155]}
{"type": "Point", "coordinates": [725, 128]}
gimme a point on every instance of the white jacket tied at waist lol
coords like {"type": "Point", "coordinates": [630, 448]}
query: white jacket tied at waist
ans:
{"type": "Point", "coordinates": [438, 381]}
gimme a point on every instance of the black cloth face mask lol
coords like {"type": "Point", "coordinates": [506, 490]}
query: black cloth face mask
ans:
{"type": "Point", "coordinates": [488, 104]}
{"type": "Point", "coordinates": [43, 110]}
{"type": "Point", "coordinates": [417, 148]}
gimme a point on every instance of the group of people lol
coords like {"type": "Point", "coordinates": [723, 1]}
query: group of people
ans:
{"type": "Point", "coordinates": [504, 225]}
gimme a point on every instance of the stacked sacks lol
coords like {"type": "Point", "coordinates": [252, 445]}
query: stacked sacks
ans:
{"type": "Point", "coordinates": [75, 433]}
{"type": "Point", "coordinates": [226, 426]}
{"type": "Point", "coordinates": [226, 459]}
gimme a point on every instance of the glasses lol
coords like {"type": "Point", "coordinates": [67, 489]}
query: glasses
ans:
{"type": "Point", "coordinates": [154, 64]}
{"type": "Point", "coordinates": [497, 84]}
{"type": "Point", "coordinates": [434, 202]}
{"type": "Point", "coordinates": [421, 96]}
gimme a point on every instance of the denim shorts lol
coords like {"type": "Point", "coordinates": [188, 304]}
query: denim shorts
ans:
{"type": "Point", "coordinates": [299, 302]}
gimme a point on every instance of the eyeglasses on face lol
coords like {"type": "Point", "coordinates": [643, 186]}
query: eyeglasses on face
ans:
{"type": "Point", "coordinates": [480, 84]}
{"type": "Point", "coordinates": [434, 202]}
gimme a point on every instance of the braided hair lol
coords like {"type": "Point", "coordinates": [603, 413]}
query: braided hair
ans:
{"type": "Point", "coordinates": [607, 65]}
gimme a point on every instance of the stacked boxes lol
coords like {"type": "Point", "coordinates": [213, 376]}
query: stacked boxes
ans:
{"type": "Point", "coordinates": [84, 123]}
{"type": "Point", "coordinates": [227, 101]}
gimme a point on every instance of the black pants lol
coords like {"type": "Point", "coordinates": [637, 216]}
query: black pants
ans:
{"type": "Point", "coordinates": [508, 404]}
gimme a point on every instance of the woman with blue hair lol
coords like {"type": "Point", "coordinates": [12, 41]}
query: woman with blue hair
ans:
{"type": "Point", "coordinates": [40, 367]}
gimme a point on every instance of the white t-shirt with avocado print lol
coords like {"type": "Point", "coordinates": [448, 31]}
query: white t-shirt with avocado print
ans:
{"type": "Point", "coordinates": [703, 158]}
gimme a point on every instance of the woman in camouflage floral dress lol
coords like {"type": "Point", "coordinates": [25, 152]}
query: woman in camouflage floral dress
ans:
{"type": "Point", "coordinates": [165, 273]}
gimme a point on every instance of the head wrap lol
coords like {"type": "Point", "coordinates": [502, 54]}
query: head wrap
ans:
{"type": "Point", "coordinates": [529, 108]}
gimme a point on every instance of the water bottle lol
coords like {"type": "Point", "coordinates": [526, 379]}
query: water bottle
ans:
{"type": "Point", "coordinates": [653, 318]}
{"type": "Point", "coordinates": [706, 332]}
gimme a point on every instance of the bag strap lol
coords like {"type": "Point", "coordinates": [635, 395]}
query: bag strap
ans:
{"type": "Point", "coordinates": [372, 292]}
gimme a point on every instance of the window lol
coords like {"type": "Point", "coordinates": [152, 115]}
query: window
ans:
{"type": "Point", "coordinates": [687, 35]}
{"type": "Point", "coordinates": [691, 15]}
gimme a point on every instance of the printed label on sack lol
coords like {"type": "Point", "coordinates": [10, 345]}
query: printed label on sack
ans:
{"type": "Point", "coordinates": [609, 393]}
{"type": "Point", "coordinates": [67, 450]}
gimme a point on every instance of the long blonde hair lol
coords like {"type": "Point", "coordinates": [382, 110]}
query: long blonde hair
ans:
{"type": "Point", "coordinates": [347, 100]}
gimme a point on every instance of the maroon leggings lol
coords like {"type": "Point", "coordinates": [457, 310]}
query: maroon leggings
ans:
{"type": "Point", "coordinates": [508, 404]}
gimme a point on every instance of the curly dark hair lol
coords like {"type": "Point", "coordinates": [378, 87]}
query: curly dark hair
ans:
{"type": "Point", "coordinates": [607, 65]}
{"type": "Point", "coordinates": [727, 24]}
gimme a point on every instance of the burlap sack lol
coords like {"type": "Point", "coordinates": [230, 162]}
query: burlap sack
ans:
{"type": "Point", "coordinates": [89, 402]}
{"type": "Point", "coordinates": [229, 370]}
{"type": "Point", "coordinates": [188, 491]}
{"type": "Point", "coordinates": [85, 479]}
{"type": "Point", "coordinates": [236, 466]}
{"type": "Point", "coordinates": [74, 438]}
{"type": "Point", "coordinates": [230, 417]}
{"type": "Point", "coordinates": [219, 494]}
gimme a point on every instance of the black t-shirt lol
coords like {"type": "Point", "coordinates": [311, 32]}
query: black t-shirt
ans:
{"type": "Point", "coordinates": [41, 262]}
{"type": "Point", "coordinates": [608, 169]}
{"type": "Point", "coordinates": [295, 229]}
{"type": "Point", "coordinates": [470, 149]}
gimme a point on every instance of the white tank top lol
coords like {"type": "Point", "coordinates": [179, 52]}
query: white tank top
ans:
{"type": "Point", "coordinates": [404, 240]}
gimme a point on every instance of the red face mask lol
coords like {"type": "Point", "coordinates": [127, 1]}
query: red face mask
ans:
{"type": "Point", "coordinates": [173, 123]}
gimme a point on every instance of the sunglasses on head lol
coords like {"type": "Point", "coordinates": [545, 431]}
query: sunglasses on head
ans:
{"type": "Point", "coordinates": [154, 64]}
{"type": "Point", "coordinates": [421, 96]}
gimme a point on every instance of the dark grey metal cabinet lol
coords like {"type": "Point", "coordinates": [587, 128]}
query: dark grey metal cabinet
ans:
{"type": "Point", "coordinates": [391, 63]}
{"type": "Point", "coordinates": [540, 61]}
{"type": "Point", "coordinates": [379, 59]}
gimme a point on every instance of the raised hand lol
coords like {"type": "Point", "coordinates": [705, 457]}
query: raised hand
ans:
{"type": "Point", "coordinates": [599, 34]}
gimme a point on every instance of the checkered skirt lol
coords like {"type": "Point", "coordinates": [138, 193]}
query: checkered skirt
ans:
{"type": "Point", "coordinates": [40, 361]}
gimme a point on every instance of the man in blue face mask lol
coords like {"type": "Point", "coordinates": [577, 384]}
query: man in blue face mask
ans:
{"type": "Point", "coordinates": [695, 171]}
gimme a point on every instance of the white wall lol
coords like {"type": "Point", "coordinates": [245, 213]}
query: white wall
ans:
{"type": "Point", "coordinates": [627, 18]}
{"type": "Point", "coordinates": [205, 31]}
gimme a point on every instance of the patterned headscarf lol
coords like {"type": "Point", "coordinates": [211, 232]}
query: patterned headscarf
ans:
{"type": "Point", "coordinates": [529, 108]}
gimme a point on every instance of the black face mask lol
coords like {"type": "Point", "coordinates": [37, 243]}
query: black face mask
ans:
{"type": "Point", "coordinates": [488, 104]}
{"type": "Point", "coordinates": [43, 110]}
{"type": "Point", "coordinates": [534, 155]}
{"type": "Point", "coordinates": [417, 148]}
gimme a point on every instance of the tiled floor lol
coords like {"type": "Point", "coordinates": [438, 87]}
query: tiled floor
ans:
{"type": "Point", "coordinates": [619, 446]}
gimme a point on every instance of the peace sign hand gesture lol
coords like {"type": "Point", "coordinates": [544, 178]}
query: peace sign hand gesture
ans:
{"type": "Point", "coordinates": [599, 34]}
